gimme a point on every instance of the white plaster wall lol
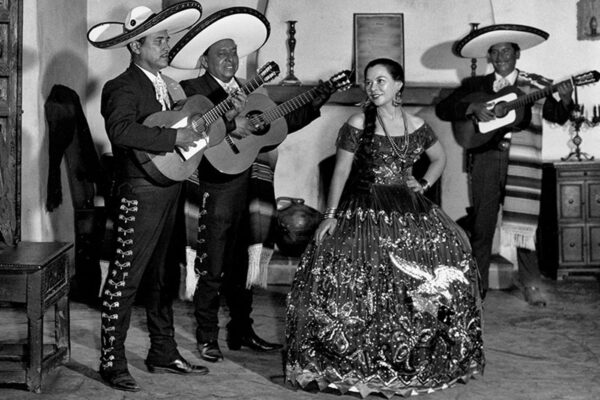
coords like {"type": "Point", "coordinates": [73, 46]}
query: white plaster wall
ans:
{"type": "Point", "coordinates": [54, 52]}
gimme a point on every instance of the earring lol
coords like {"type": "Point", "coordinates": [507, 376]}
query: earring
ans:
{"type": "Point", "coordinates": [397, 100]}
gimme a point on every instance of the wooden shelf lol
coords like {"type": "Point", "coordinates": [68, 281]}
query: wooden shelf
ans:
{"type": "Point", "coordinates": [412, 96]}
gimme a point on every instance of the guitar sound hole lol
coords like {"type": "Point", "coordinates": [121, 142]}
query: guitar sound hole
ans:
{"type": "Point", "coordinates": [264, 129]}
{"type": "Point", "coordinates": [500, 109]}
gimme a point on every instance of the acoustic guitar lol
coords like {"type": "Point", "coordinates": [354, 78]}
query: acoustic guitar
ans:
{"type": "Point", "coordinates": [199, 113]}
{"type": "Point", "coordinates": [508, 106]}
{"type": "Point", "coordinates": [233, 156]}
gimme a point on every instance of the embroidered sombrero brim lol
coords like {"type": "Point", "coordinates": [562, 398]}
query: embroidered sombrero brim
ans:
{"type": "Point", "coordinates": [173, 19]}
{"type": "Point", "coordinates": [477, 43]}
{"type": "Point", "coordinates": [248, 28]}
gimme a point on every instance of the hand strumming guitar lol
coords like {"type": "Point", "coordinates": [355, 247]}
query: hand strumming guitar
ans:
{"type": "Point", "coordinates": [187, 137]}
{"type": "Point", "coordinates": [480, 111]}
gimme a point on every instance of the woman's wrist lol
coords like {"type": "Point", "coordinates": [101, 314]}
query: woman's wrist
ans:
{"type": "Point", "coordinates": [425, 185]}
{"type": "Point", "coordinates": [330, 212]}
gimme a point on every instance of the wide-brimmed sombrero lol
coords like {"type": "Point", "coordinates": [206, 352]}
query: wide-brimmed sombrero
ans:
{"type": "Point", "coordinates": [477, 43]}
{"type": "Point", "coordinates": [141, 21]}
{"type": "Point", "coordinates": [248, 28]}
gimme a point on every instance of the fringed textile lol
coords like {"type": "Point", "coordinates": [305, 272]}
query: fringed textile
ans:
{"type": "Point", "coordinates": [524, 177]}
{"type": "Point", "coordinates": [262, 222]}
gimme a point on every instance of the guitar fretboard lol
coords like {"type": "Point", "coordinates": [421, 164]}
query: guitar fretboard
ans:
{"type": "Point", "coordinates": [220, 109]}
{"type": "Point", "coordinates": [285, 108]}
{"type": "Point", "coordinates": [533, 97]}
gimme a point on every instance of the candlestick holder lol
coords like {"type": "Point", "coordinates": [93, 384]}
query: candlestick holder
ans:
{"type": "Point", "coordinates": [290, 79]}
{"type": "Point", "coordinates": [578, 120]}
{"type": "Point", "coordinates": [474, 26]}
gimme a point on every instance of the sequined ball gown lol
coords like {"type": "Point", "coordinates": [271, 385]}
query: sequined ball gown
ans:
{"type": "Point", "coordinates": [390, 302]}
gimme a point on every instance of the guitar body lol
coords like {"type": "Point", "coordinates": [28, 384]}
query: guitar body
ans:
{"type": "Point", "coordinates": [171, 167]}
{"type": "Point", "coordinates": [233, 156]}
{"type": "Point", "coordinates": [471, 134]}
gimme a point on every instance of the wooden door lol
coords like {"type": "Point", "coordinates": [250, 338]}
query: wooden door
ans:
{"type": "Point", "coordinates": [11, 12]}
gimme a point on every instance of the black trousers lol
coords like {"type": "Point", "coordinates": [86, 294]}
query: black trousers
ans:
{"type": "Point", "coordinates": [488, 178]}
{"type": "Point", "coordinates": [222, 257]}
{"type": "Point", "coordinates": [144, 224]}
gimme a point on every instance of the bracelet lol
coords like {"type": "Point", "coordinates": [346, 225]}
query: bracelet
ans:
{"type": "Point", "coordinates": [330, 213]}
{"type": "Point", "coordinates": [424, 184]}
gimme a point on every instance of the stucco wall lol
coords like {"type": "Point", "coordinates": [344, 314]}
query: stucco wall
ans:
{"type": "Point", "coordinates": [54, 52]}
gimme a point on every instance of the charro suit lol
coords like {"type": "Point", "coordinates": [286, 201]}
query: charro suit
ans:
{"type": "Point", "coordinates": [488, 171]}
{"type": "Point", "coordinates": [145, 222]}
{"type": "Point", "coordinates": [223, 231]}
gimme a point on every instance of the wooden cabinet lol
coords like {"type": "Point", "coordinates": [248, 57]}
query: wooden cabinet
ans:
{"type": "Point", "coordinates": [577, 186]}
{"type": "Point", "coordinates": [35, 277]}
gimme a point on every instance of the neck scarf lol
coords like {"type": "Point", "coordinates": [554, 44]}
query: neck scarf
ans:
{"type": "Point", "coordinates": [162, 94]}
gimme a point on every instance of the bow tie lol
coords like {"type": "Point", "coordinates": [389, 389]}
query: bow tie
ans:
{"type": "Point", "coordinates": [231, 87]}
{"type": "Point", "coordinates": [500, 84]}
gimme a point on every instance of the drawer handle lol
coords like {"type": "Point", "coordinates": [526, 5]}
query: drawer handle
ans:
{"type": "Point", "coordinates": [571, 201]}
{"type": "Point", "coordinates": [571, 244]}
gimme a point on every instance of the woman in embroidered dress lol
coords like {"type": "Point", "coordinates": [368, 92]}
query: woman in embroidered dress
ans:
{"type": "Point", "coordinates": [386, 298]}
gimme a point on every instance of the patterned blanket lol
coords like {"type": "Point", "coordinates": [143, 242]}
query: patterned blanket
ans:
{"type": "Point", "coordinates": [524, 178]}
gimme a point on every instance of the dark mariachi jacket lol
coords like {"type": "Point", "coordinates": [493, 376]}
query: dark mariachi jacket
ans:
{"type": "Point", "coordinates": [126, 102]}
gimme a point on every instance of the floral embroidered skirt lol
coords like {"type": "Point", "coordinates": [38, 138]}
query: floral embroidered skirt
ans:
{"type": "Point", "coordinates": [389, 303]}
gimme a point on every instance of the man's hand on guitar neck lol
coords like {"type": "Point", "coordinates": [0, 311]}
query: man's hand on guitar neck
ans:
{"type": "Point", "coordinates": [481, 111]}
{"type": "Point", "coordinates": [565, 90]}
{"type": "Point", "coordinates": [323, 92]}
{"type": "Point", "coordinates": [238, 100]}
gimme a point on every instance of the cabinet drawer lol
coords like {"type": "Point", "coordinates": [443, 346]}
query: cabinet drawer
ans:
{"type": "Point", "coordinates": [570, 196]}
{"type": "Point", "coordinates": [571, 244]}
{"type": "Point", "coordinates": [594, 244]}
{"type": "Point", "coordinates": [593, 200]}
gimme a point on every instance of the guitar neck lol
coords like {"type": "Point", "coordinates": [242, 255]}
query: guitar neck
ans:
{"type": "Point", "coordinates": [533, 97]}
{"type": "Point", "coordinates": [220, 109]}
{"type": "Point", "coordinates": [286, 107]}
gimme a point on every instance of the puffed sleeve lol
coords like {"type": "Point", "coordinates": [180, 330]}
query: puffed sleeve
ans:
{"type": "Point", "coordinates": [349, 138]}
{"type": "Point", "coordinates": [429, 137]}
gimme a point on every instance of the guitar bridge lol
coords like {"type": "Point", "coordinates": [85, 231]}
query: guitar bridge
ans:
{"type": "Point", "coordinates": [234, 148]}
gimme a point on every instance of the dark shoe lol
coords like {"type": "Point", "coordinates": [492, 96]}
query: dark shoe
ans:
{"type": "Point", "coordinates": [533, 296]}
{"type": "Point", "coordinates": [210, 351]}
{"type": "Point", "coordinates": [179, 366]}
{"type": "Point", "coordinates": [120, 380]}
{"type": "Point", "coordinates": [251, 340]}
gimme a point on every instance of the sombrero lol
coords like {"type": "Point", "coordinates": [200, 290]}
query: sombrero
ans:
{"type": "Point", "coordinates": [141, 21]}
{"type": "Point", "coordinates": [248, 28]}
{"type": "Point", "coordinates": [477, 43]}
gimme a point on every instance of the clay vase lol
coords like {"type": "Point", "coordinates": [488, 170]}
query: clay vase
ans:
{"type": "Point", "coordinates": [296, 225]}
